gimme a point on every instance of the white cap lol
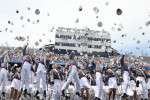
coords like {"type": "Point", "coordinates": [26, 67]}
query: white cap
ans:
{"type": "Point", "coordinates": [36, 43]}
{"type": "Point", "coordinates": [37, 11]}
{"type": "Point", "coordinates": [99, 24]}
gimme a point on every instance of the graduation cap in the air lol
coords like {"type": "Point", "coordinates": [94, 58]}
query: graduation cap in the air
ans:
{"type": "Point", "coordinates": [99, 24]}
{"type": "Point", "coordinates": [114, 41]}
{"type": "Point", "coordinates": [80, 8]}
{"type": "Point", "coordinates": [147, 23]}
{"type": "Point", "coordinates": [40, 40]}
{"type": "Point", "coordinates": [6, 29]}
{"type": "Point", "coordinates": [38, 20]}
{"type": "Point", "coordinates": [9, 22]}
{"type": "Point", "coordinates": [134, 38]}
{"type": "Point", "coordinates": [37, 11]}
{"type": "Point", "coordinates": [119, 11]}
{"type": "Point", "coordinates": [119, 29]}
{"type": "Point", "coordinates": [37, 43]}
{"type": "Point", "coordinates": [22, 38]}
{"type": "Point", "coordinates": [28, 20]}
{"type": "Point", "coordinates": [143, 33]}
{"type": "Point", "coordinates": [28, 8]}
{"type": "Point", "coordinates": [77, 20]}
{"type": "Point", "coordinates": [107, 3]}
{"type": "Point", "coordinates": [96, 10]}
{"type": "Point", "coordinates": [17, 11]}
{"type": "Point", "coordinates": [21, 17]}
{"type": "Point", "coordinates": [138, 42]}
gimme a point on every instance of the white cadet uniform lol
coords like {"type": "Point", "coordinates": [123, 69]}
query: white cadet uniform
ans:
{"type": "Point", "coordinates": [112, 81]}
{"type": "Point", "coordinates": [125, 75]}
{"type": "Point", "coordinates": [99, 82]}
{"type": "Point", "coordinates": [3, 74]}
{"type": "Point", "coordinates": [32, 75]}
{"type": "Point", "coordinates": [56, 78]}
{"type": "Point", "coordinates": [132, 82]}
{"type": "Point", "coordinates": [41, 72]}
{"type": "Point", "coordinates": [84, 83]}
{"type": "Point", "coordinates": [148, 81]}
{"type": "Point", "coordinates": [140, 74]}
{"type": "Point", "coordinates": [25, 71]}
{"type": "Point", "coordinates": [72, 74]}
{"type": "Point", "coordinates": [3, 77]}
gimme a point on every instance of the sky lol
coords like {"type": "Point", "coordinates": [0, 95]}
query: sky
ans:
{"type": "Point", "coordinates": [63, 13]}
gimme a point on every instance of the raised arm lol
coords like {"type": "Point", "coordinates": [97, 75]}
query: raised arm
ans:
{"type": "Point", "coordinates": [2, 58]}
{"type": "Point", "coordinates": [86, 67]}
{"type": "Point", "coordinates": [122, 60]}
{"type": "Point", "coordinates": [24, 50]}
{"type": "Point", "coordinates": [93, 65]}
{"type": "Point", "coordinates": [42, 52]}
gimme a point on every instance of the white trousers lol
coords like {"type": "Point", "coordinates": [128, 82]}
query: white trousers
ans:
{"type": "Point", "coordinates": [148, 83]}
{"type": "Point", "coordinates": [56, 90]}
{"type": "Point", "coordinates": [3, 79]}
{"type": "Point", "coordinates": [99, 86]}
{"type": "Point", "coordinates": [31, 77]}
{"type": "Point", "coordinates": [41, 73]}
{"type": "Point", "coordinates": [126, 79]}
{"type": "Point", "coordinates": [25, 74]}
{"type": "Point", "coordinates": [73, 74]}
{"type": "Point", "coordinates": [144, 86]}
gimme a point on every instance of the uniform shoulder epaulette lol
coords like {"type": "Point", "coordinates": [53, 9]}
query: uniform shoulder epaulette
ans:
{"type": "Point", "coordinates": [51, 72]}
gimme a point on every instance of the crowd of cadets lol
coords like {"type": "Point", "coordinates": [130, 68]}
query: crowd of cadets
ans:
{"type": "Point", "coordinates": [82, 76]}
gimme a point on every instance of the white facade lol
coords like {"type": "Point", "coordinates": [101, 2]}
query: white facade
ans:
{"type": "Point", "coordinates": [82, 40]}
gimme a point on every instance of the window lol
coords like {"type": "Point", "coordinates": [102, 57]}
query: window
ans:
{"type": "Point", "coordinates": [57, 36]}
{"type": "Point", "coordinates": [57, 43]}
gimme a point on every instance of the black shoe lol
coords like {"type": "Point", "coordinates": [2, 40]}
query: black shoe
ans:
{"type": "Point", "coordinates": [44, 94]}
{"type": "Point", "coordinates": [21, 90]}
{"type": "Point", "coordinates": [63, 93]}
{"type": "Point", "coordinates": [77, 93]}
{"type": "Point", "coordinates": [38, 97]}
{"type": "Point", "coordinates": [29, 94]}
{"type": "Point", "coordinates": [36, 94]}
{"type": "Point", "coordinates": [25, 93]}
{"type": "Point", "coordinates": [3, 93]}
{"type": "Point", "coordinates": [124, 96]}
{"type": "Point", "coordinates": [96, 98]}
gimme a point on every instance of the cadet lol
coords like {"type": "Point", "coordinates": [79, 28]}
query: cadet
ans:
{"type": "Point", "coordinates": [3, 72]}
{"type": "Point", "coordinates": [125, 76]}
{"type": "Point", "coordinates": [148, 82]}
{"type": "Point", "coordinates": [25, 71]}
{"type": "Point", "coordinates": [15, 85]}
{"type": "Point", "coordinates": [133, 81]}
{"type": "Point", "coordinates": [56, 79]}
{"type": "Point", "coordinates": [140, 78]}
{"type": "Point", "coordinates": [98, 68]}
{"type": "Point", "coordinates": [84, 80]}
{"type": "Point", "coordinates": [72, 74]}
{"type": "Point", "coordinates": [41, 72]}
{"type": "Point", "coordinates": [112, 82]}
